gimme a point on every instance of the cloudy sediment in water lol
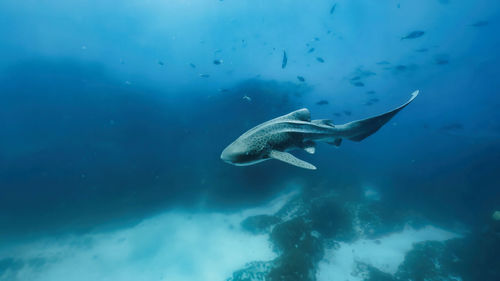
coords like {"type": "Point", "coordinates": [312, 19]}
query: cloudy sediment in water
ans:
{"type": "Point", "coordinates": [170, 246]}
{"type": "Point", "coordinates": [114, 116]}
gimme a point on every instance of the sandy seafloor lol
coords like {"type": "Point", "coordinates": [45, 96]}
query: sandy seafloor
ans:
{"type": "Point", "coordinates": [289, 236]}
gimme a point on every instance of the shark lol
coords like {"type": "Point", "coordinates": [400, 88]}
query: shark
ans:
{"type": "Point", "coordinates": [274, 139]}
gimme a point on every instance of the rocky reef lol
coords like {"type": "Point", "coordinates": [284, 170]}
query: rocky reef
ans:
{"type": "Point", "coordinates": [309, 225]}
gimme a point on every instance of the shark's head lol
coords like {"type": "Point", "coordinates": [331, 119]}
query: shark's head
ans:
{"type": "Point", "coordinates": [241, 154]}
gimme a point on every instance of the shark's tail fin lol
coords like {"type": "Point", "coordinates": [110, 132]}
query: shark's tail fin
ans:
{"type": "Point", "coordinates": [361, 129]}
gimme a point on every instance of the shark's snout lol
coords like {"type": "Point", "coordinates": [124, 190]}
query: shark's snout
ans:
{"type": "Point", "coordinates": [238, 154]}
{"type": "Point", "coordinates": [228, 155]}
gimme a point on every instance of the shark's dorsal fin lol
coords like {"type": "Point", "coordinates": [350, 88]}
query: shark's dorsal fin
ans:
{"type": "Point", "coordinates": [301, 114]}
{"type": "Point", "coordinates": [324, 122]}
{"type": "Point", "coordinates": [290, 159]}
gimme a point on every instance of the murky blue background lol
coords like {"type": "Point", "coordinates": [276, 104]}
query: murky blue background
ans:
{"type": "Point", "coordinates": [111, 112]}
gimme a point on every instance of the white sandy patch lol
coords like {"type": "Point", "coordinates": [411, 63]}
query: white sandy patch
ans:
{"type": "Point", "coordinates": [173, 246]}
{"type": "Point", "coordinates": [340, 264]}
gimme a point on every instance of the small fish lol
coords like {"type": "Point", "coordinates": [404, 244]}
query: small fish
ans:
{"type": "Point", "coordinates": [374, 100]}
{"type": "Point", "coordinates": [192, 65]}
{"type": "Point", "coordinates": [480, 23]}
{"type": "Point", "coordinates": [320, 59]}
{"type": "Point", "coordinates": [316, 38]}
{"type": "Point", "coordinates": [452, 127]}
{"type": "Point", "coordinates": [401, 67]}
{"type": "Point", "coordinates": [347, 112]}
{"type": "Point", "coordinates": [441, 61]}
{"type": "Point", "coordinates": [413, 35]}
{"type": "Point", "coordinates": [496, 215]}
{"type": "Point", "coordinates": [333, 8]}
{"type": "Point", "coordinates": [371, 92]}
{"type": "Point", "coordinates": [161, 63]}
{"type": "Point", "coordinates": [204, 75]}
{"type": "Point", "coordinates": [421, 50]}
{"type": "Point", "coordinates": [337, 114]}
{"type": "Point", "coordinates": [222, 90]}
{"type": "Point", "coordinates": [247, 98]}
{"type": "Point", "coordinates": [368, 103]}
{"type": "Point", "coordinates": [218, 62]}
{"type": "Point", "coordinates": [359, 84]}
{"type": "Point", "coordinates": [355, 78]}
{"type": "Point", "coordinates": [322, 102]}
{"type": "Point", "coordinates": [284, 61]}
{"type": "Point", "coordinates": [301, 79]}
{"type": "Point", "coordinates": [364, 73]}
{"type": "Point", "coordinates": [311, 50]}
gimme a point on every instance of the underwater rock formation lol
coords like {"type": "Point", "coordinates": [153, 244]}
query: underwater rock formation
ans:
{"type": "Point", "coordinates": [308, 224]}
{"type": "Point", "coordinates": [254, 271]}
{"type": "Point", "coordinates": [310, 227]}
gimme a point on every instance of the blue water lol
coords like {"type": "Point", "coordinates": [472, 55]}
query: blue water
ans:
{"type": "Point", "coordinates": [114, 114]}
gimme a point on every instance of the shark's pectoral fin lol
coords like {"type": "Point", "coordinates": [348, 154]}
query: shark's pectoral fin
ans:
{"type": "Point", "coordinates": [290, 159]}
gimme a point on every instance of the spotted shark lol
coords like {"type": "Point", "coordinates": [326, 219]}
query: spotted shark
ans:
{"type": "Point", "coordinates": [275, 138]}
